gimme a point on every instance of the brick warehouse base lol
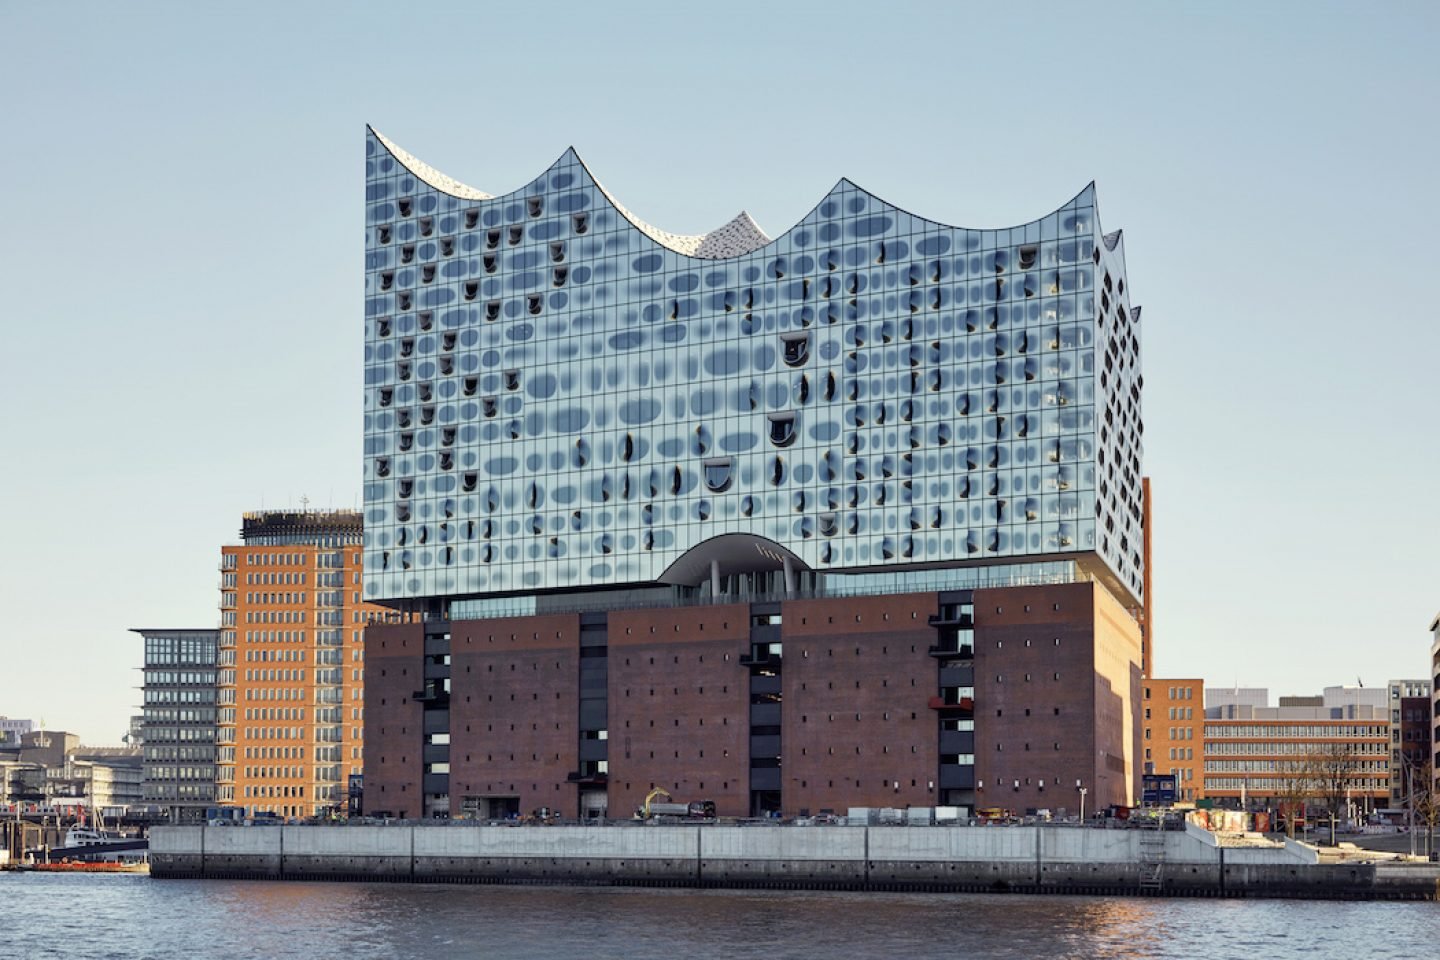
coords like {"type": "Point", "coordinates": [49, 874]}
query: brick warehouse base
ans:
{"type": "Point", "coordinates": [1053, 860]}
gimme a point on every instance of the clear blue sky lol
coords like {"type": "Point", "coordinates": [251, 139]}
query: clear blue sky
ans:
{"type": "Point", "coordinates": [181, 254]}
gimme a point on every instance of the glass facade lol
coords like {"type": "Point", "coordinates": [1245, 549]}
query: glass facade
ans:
{"type": "Point", "coordinates": [179, 726]}
{"type": "Point", "coordinates": [559, 397]}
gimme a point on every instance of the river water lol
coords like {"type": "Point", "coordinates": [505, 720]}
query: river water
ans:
{"type": "Point", "coordinates": [123, 917]}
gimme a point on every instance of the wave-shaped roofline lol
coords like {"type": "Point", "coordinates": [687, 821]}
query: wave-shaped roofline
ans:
{"type": "Point", "coordinates": [736, 236]}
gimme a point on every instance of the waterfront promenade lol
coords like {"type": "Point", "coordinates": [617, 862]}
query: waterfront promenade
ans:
{"type": "Point", "coordinates": [1024, 859]}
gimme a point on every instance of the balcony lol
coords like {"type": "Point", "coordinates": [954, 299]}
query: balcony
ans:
{"type": "Point", "coordinates": [962, 706]}
{"type": "Point", "coordinates": [583, 779]}
{"type": "Point", "coordinates": [431, 694]}
{"type": "Point", "coordinates": [964, 651]}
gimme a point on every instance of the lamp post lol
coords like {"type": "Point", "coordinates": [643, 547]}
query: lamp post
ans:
{"type": "Point", "coordinates": [1083, 791]}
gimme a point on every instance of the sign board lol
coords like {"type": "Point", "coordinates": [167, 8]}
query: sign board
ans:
{"type": "Point", "coordinates": [1160, 789]}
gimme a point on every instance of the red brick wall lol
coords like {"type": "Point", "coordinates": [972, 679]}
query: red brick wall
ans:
{"type": "Point", "coordinates": [514, 711]}
{"type": "Point", "coordinates": [1030, 726]}
{"type": "Point", "coordinates": [394, 664]}
{"type": "Point", "coordinates": [679, 706]}
{"type": "Point", "coordinates": [856, 718]}
{"type": "Point", "coordinates": [1119, 701]}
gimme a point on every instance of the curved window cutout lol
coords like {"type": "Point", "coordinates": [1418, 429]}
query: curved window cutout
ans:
{"type": "Point", "coordinates": [491, 262]}
{"type": "Point", "coordinates": [472, 219]}
{"type": "Point", "coordinates": [404, 300]}
{"type": "Point", "coordinates": [447, 366]}
{"type": "Point", "coordinates": [427, 415]}
{"type": "Point", "coordinates": [796, 348]}
{"type": "Point", "coordinates": [406, 206]}
{"type": "Point", "coordinates": [580, 222]}
{"type": "Point", "coordinates": [447, 436]}
{"type": "Point", "coordinates": [561, 274]}
{"type": "Point", "coordinates": [407, 253]}
{"type": "Point", "coordinates": [534, 303]}
{"type": "Point", "coordinates": [782, 429]}
{"type": "Point", "coordinates": [447, 460]}
{"type": "Point", "coordinates": [447, 247]}
{"type": "Point", "coordinates": [492, 310]}
{"type": "Point", "coordinates": [677, 481]}
{"type": "Point", "coordinates": [427, 226]}
{"type": "Point", "coordinates": [627, 448]}
{"type": "Point", "coordinates": [382, 467]}
{"type": "Point", "coordinates": [719, 474]}
{"type": "Point", "coordinates": [383, 234]}
{"type": "Point", "coordinates": [426, 319]}
{"type": "Point", "coordinates": [492, 239]}
{"type": "Point", "coordinates": [557, 252]}
{"type": "Point", "coordinates": [382, 328]}
{"type": "Point", "coordinates": [402, 419]}
{"type": "Point", "coordinates": [535, 206]}
{"type": "Point", "coordinates": [489, 406]}
{"type": "Point", "coordinates": [472, 289]}
{"type": "Point", "coordinates": [1028, 255]}
{"type": "Point", "coordinates": [387, 396]}
{"type": "Point", "coordinates": [777, 471]}
{"type": "Point", "coordinates": [407, 441]}
{"type": "Point", "coordinates": [512, 379]}
{"type": "Point", "coordinates": [515, 235]}
{"type": "Point", "coordinates": [829, 524]}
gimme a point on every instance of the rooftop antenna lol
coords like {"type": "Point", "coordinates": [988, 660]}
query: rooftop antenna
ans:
{"type": "Point", "coordinates": [304, 504]}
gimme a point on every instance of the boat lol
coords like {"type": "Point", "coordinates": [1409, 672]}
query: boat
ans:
{"type": "Point", "coordinates": [98, 846]}
{"type": "Point", "coordinates": [89, 866]}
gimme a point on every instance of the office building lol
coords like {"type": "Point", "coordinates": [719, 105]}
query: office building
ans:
{"type": "Point", "coordinates": [850, 516]}
{"type": "Point", "coordinates": [1410, 724]}
{"type": "Point", "coordinates": [291, 712]}
{"type": "Point", "coordinates": [1435, 705]}
{"type": "Point", "coordinates": [11, 730]}
{"type": "Point", "coordinates": [1174, 733]}
{"type": "Point", "coordinates": [178, 735]}
{"type": "Point", "coordinates": [1331, 750]}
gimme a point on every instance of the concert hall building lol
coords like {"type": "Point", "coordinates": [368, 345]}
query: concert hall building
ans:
{"type": "Point", "coordinates": [851, 516]}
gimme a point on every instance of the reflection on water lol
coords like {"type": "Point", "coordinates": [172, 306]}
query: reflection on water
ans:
{"type": "Point", "coordinates": [117, 917]}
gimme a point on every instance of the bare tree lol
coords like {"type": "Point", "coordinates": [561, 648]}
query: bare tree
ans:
{"type": "Point", "coordinates": [1425, 802]}
{"type": "Point", "coordinates": [1333, 767]}
{"type": "Point", "coordinates": [1297, 779]}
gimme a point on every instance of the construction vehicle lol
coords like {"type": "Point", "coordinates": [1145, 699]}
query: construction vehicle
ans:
{"type": "Point", "coordinates": [654, 807]}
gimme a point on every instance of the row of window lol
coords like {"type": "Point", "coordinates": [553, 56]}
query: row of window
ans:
{"type": "Point", "coordinates": [1295, 731]}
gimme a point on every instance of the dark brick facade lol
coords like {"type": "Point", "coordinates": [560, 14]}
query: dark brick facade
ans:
{"type": "Point", "coordinates": [858, 730]}
{"type": "Point", "coordinates": [678, 706]}
{"type": "Point", "coordinates": [1057, 692]}
{"type": "Point", "coordinates": [513, 710]}
{"type": "Point", "coordinates": [394, 740]}
{"type": "Point", "coordinates": [847, 715]}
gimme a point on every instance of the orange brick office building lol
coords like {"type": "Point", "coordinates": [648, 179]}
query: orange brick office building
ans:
{"type": "Point", "coordinates": [291, 677]}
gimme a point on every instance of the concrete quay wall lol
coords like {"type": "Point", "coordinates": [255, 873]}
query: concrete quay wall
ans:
{"type": "Point", "coordinates": [1036, 859]}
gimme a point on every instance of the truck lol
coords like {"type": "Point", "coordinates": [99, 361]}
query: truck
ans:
{"type": "Point", "coordinates": [655, 807]}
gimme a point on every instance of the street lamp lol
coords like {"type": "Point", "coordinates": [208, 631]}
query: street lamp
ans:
{"type": "Point", "coordinates": [1083, 791]}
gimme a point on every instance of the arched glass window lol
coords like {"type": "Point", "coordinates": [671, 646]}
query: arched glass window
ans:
{"type": "Point", "coordinates": [719, 474]}
{"type": "Point", "coordinates": [796, 349]}
{"type": "Point", "coordinates": [782, 429]}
